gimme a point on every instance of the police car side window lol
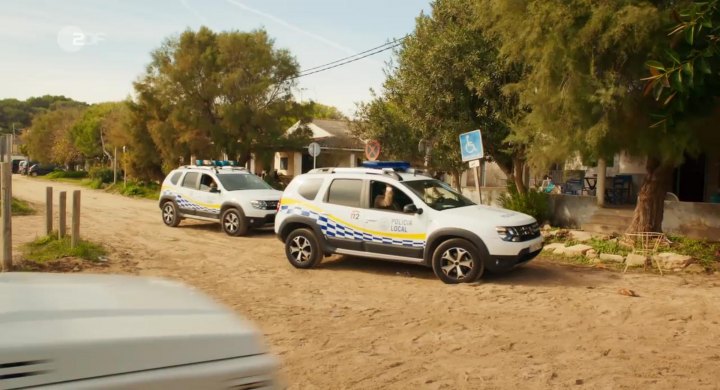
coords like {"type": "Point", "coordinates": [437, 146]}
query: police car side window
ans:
{"type": "Point", "coordinates": [309, 188]}
{"type": "Point", "coordinates": [345, 192]}
{"type": "Point", "coordinates": [175, 177]}
{"type": "Point", "coordinates": [190, 180]}
{"type": "Point", "coordinates": [392, 200]}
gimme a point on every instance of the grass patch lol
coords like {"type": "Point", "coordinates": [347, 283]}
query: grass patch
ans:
{"type": "Point", "coordinates": [136, 190]}
{"type": "Point", "coordinates": [611, 246]}
{"type": "Point", "coordinates": [706, 252]}
{"type": "Point", "coordinates": [51, 247]}
{"type": "Point", "coordinates": [20, 207]}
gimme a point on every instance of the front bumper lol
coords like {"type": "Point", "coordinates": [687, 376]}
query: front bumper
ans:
{"type": "Point", "coordinates": [260, 221]}
{"type": "Point", "coordinates": [499, 263]}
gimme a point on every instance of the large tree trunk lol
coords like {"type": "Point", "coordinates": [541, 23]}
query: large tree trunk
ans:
{"type": "Point", "coordinates": [650, 207]}
{"type": "Point", "coordinates": [518, 170]}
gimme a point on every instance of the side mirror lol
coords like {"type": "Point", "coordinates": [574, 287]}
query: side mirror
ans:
{"type": "Point", "coordinates": [412, 209]}
{"type": "Point", "coordinates": [214, 190]}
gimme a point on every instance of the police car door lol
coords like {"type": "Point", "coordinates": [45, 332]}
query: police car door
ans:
{"type": "Point", "coordinates": [208, 200]}
{"type": "Point", "coordinates": [183, 198]}
{"type": "Point", "coordinates": [392, 231]}
{"type": "Point", "coordinates": [339, 220]}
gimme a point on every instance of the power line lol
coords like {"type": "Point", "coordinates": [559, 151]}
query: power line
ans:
{"type": "Point", "coordinates": [343, 63]}
{"type": "Point", "coordinates": [354, 55]}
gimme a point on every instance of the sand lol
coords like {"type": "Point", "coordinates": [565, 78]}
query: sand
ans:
{"type": "Point", "coordinates": [354, 323]}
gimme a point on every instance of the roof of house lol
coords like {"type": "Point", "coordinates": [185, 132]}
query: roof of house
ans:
{"type": "Point", "coordinates": [331, 133]}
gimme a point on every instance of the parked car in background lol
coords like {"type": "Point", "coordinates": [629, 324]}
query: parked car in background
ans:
{"type": "Point", "coordinates": [76, 331]}
{"type": "Point", "coordinates": [218, 192]}
{"type": "Point", "coordinates": [41, 169]}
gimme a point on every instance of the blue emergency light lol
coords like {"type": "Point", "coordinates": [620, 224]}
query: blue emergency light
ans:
{"type": "Point", "coordinates": [398, 166]}
{"type": "Point", "coordinates": [216, 163]}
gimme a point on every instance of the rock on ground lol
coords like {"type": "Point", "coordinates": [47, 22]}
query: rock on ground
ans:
{"type": "Point", "coordinates": [610, 257]}
{"type": "Point", "coordinates": [635, 260]}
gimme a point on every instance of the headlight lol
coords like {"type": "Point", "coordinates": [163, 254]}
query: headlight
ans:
{"type": "Point", "coordinates": [508, 233]}
{"type": "Point", "coordinates": [259, 204]}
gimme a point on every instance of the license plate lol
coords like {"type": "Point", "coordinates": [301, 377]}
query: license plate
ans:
{"type": "Point", "coordinates": [535, 247]}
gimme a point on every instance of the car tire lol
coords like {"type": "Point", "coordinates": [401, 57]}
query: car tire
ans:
{"type": "Point", "coordinates": [233, 222]}
{"type": "Point", "coordinates": [457, 261]}
{"type": "Point", "coordinates": [33, 174]}
{"type": "Point", "coordinates": [169, 214]}
{"type": "Point", "coordinates": [302, 249]}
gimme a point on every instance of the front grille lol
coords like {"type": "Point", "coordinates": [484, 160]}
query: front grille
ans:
{"type": "Point", "coordinates": [271, 204]}
{"type": "Point", "coordinates": [528, 232]}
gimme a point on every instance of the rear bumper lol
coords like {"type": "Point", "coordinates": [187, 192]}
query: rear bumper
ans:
{"type": "Point", "coordinates": [506, 263]}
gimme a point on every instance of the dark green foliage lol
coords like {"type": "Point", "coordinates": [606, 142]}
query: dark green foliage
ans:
{"type": "Point", "coordinates": [67, 175]}
{"type": "Point", "coordinates": [104, 175]}
{"type": "Point", "coordinates": [534, 203]}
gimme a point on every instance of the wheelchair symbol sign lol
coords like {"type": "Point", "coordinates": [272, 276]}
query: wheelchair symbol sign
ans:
{"type": "Point", "coordinates": [471, 146]}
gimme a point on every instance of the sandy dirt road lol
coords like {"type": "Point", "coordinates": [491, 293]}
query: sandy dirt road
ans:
{"type": "Point", "coordinates": [355, 323]}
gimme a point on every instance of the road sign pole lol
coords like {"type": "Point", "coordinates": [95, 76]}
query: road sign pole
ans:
{"type": "Point", "coordinates": [314, 161]}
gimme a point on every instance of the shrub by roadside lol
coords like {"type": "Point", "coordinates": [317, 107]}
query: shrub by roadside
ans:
{"type": "Point", "coordinates": [67, 175]}
{"type": "Point", "coordinates": [533, 203]}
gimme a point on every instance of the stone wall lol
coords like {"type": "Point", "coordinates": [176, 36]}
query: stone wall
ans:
{"type": "Point", "coordinates": [691, 219]}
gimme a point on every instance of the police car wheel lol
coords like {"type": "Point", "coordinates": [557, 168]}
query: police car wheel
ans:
{"type": "Point", "coordinates": [302, 249]}
{"type": "Point", "coordinates": [457, 261]}
{"type": "Point", "coordinates": [169, 214]}
{"type": "Point", "coordinates": [233, 222]}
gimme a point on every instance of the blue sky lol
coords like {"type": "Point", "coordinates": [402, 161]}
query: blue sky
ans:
{"type": "Point", "coordinates": [38, 56]}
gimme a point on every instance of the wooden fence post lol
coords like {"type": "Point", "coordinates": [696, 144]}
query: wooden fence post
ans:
{"type": "Point", "coordinates": [6, 198]}
{"type": "Point", "coordinates": [75, 219]}
{"type": "Point", "coordinates": [62, 223]}
{"type": "Point", "coordinates": [48, 210]}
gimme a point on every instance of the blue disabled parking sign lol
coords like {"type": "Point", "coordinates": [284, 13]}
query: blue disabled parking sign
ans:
{"type": "Point", "coordinates": [471, 146]}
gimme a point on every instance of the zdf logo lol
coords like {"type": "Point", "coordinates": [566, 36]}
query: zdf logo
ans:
{"type": "Point", "coordinates": [72, 39]}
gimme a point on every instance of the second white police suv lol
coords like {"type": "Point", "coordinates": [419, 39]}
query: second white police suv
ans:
{"type": "Point", "coordinates": [386, 210]}
{"type": "Point", "coordinates": [217, 191]}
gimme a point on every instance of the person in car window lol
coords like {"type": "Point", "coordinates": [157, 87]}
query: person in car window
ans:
{"type": "Point", "coordinates": [385, 201]}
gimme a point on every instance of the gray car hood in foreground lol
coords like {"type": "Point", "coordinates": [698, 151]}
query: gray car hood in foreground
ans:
{"type": "Point", "coordinates": [59, 327]}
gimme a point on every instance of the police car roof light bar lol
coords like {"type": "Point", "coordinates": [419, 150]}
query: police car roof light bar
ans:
{"type": "Point", "coordinates": [399, 166]}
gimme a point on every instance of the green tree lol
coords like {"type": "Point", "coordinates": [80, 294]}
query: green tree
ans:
{"type": "Point", "coordinates": [380, 119]}
{"type": "Point", "coordinates": [18, 114]}
{"type": "Point", "coordinates": [48, 139]}
{"type": "Point", "coordinates": [449, 80]}
{"type": "Point", "coordinates": [207, 93]}
{"type": "Point", "coordinates": [584, 87]}
{"type": "Point", "coordinates": [322, 111]}
{"type": "Point", "coordinates": [98, 122]}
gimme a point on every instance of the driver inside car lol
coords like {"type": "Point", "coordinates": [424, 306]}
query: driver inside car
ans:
{"type": "Point", "coordinates": [431, 194]}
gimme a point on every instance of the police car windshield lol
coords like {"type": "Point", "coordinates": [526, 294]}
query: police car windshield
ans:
{"type": "Point", "coordinates": [437, 194]}
{"type": "Point", "coordinates": [242, 181]}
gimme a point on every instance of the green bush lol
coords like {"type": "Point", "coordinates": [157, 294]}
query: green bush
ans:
{"type": "Point", "coordinates": [67, 175]}
{"type": "Point", "coordinates": [95, 184]}
{"type": "Point", "coordinates": [533, 203]}
{"type": "Point", "coordinates": [104, 174]}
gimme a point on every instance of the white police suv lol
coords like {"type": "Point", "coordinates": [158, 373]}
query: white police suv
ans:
{"type": "Point", "coordinates": [220, 192]}
{"type": "Point", "coordinates": [388, 211]}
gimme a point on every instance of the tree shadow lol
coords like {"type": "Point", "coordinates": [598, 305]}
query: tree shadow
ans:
{"type": "Point", "coordinates": [536, 273]}
{"type": "Point", "coordinates": [377, 267]}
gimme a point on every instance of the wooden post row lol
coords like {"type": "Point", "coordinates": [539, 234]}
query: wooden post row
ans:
{"type": "Point", "coordinates": [75, 238]}
{"type": "Point", "coordinates": [62, 223]}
